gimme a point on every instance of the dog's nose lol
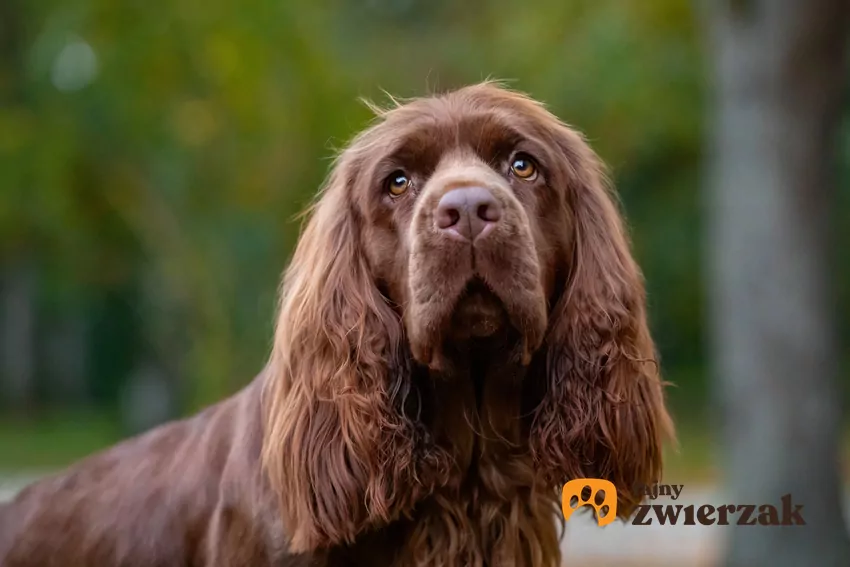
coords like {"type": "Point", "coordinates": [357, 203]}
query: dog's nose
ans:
{"type": "Point", "coordinates": [467, 211]}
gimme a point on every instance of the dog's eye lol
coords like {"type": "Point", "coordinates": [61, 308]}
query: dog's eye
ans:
{"type": "Point", "coordinates": [398, 183]}
{"type": "Point", "coordinates": [523, 167]}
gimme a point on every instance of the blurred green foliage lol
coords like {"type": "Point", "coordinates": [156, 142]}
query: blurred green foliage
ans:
{"type": "Point", "coordinates": [153, 157]}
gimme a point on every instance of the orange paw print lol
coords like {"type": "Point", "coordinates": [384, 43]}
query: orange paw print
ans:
{"type": "Point", "coordinates": [596, 492]}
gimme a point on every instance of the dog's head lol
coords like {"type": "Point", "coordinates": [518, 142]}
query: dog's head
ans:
{"type": "Point", "coordinates": [452, 219]}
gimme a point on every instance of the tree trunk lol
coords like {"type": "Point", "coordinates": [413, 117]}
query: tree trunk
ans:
{"type": "Point", "coordinates": [65, 364]}
{"type": "Point", "coordinates": [17, 335]}
{"type": "Point", "coordinates": [779, 71]}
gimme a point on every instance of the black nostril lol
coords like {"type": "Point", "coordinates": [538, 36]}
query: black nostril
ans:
{"type": "Point", "coordinates": [488, 212]}
{"type": "Point", "coordinates": [447, 217]}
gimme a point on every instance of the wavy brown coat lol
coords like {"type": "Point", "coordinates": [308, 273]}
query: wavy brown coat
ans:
{"type": "Point", "coordinates": [429, 388]}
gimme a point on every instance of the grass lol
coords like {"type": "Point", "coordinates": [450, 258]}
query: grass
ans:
{"type": "Point", "coordinates": [695, 458]}
{"type": "Point", "coordinates": [54, 440]}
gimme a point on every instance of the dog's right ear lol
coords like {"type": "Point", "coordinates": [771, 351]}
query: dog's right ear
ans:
{"type": "Point", "coordinates": [604, 415]}
{"type": "Point", "coordinates": [338, 449]}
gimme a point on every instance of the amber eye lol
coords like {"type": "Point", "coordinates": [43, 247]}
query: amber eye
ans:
{"type": "Point", "coordinates": [523, 167]}
{"type": "Point", "coordinates": [398, 183]}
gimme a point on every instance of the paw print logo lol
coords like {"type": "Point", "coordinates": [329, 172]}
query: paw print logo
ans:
{"type": "Point", "coordinates": [598, 493]}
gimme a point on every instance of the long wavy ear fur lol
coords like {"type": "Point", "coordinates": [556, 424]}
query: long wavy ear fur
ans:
{"type": "Point", "coordinates": [338, 449]}
{"type": "Point", "coordinates": [603, 414]}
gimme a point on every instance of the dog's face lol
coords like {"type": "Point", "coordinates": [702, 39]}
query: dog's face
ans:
{"type": "Point", "coordinates": [465, 222]}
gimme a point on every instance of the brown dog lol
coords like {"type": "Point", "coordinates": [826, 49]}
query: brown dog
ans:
{"type": "Point", "coordinates": [462, 329]}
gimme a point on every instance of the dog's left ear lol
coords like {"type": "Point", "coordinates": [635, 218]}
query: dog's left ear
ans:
{"type": "Point", "coordinates": [603, 414]}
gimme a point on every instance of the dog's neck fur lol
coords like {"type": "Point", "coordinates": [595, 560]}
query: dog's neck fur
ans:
{"type": "Point", "coordinates": [475, 406]}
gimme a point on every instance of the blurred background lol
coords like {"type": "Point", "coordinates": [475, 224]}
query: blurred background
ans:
{"type": "Point", "coordinates": [153, 157]}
